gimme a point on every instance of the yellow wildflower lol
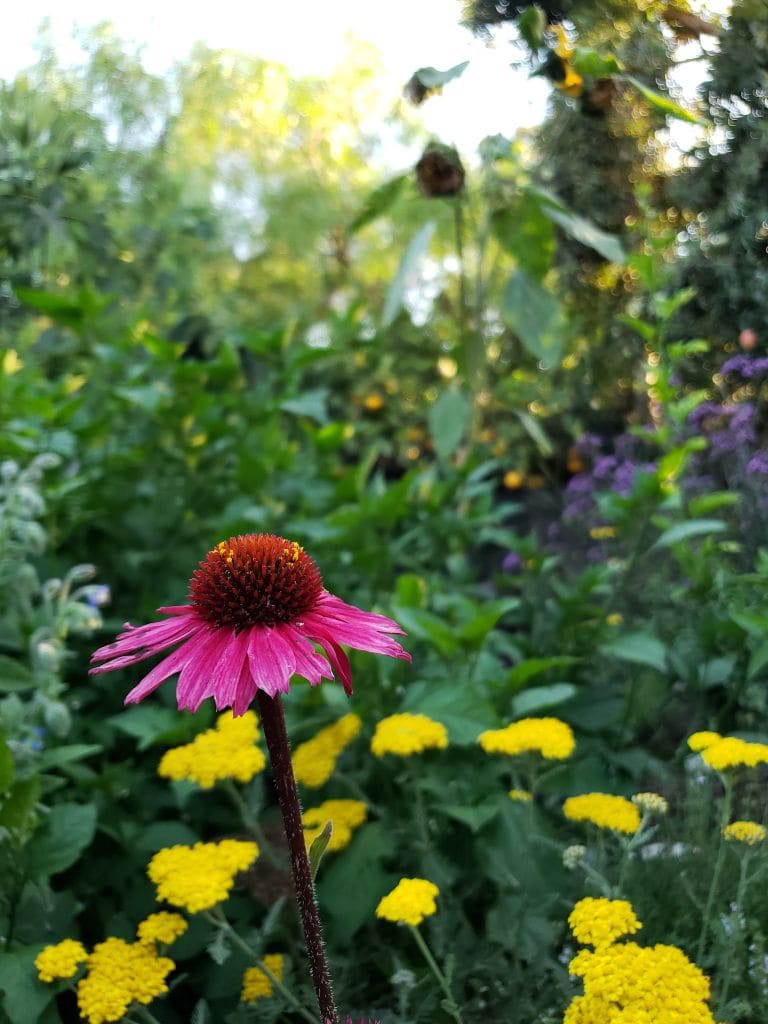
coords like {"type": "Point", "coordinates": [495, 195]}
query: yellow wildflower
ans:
{"type": "Point", "coordinates": [410, 902]}
{"type": "Point", "coordinates": [373, 402]}
{"type": "Point", "coordinates": [596, 921]}
{"type": "Point", "coordinates": [731, 752]}
{"type": "Point", "coordinates": [227, 751]}
{"type": "Point", "coordinates": [162, 927]}
{"type": "Point", "coordinates": [524, 796]}
{"type": "Point", "coordinates": [602, 532]}
{"type": "Point", "coordinates": [12, 363]}
{"type": "Point", "coordinates": [257, 984]}
{"type": "Point", "coordinates": [513, 480]}
{"type": "Point", "coordinates": [120, 973]}
{"type": "Point", "coordinates": [315, 760]}
{"type": "Point", "coordinates": [200, 876]}
{"type": "Point", "coordinates": [346, 815]}
{"type": "Point", "coordinates": [549, 737]}
{"type": "Point", "coordinates": [604, 810]}
{"type": "Point", "coordinates": [745, 832]}
{"type": "Point", "coordinates": [61, 960]}
{"type": "Point", "coordinates": [702, 740]}
{"type": "Point", "coordinates": [650, 803]}
{"type": "Point", "coordinates": [614, 619]}
{"type": "Point", "coordinates": [407, 734]}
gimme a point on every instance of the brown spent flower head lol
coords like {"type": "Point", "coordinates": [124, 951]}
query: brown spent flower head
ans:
{"type": "Point", "coordinates": [440, 172]}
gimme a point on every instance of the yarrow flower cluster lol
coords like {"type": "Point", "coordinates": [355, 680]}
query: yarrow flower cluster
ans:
{"type": "Point", "coordinates": [315, 760]}
{"type": "Point", "coordinates": [257, 607]}
{"type": "Point", "coordinates": [121, 973]}
{"type": "Point", "coordinates": [701, 740]}
{"type": "Point", "coordinates": [725, 752]}
{"type": "Point", "coordinates": [200, 876]}
{"type": "Point", "coordinates": [62, 960]}
{"type": "Point", "coordinates": [227, 751]}
{"type": "Point", "coordinates": [749, 832]}
{"type": "Point", "coordinates": [550, 737]}
{"type": "Point", "coordinates": [257, 984]}
{"type": "Point", "coordinates": [410, 902]}
{"type": "Point", "coordinates": [596, 921]}
{"type": "Point", "coordinates": [345, 815]}
{"type": "Point", "coordinates": [405, 734]}
{"type": "Point", "coordinates": [605, 811]}
{"type": "Point", "coordinates": [650, 803]}
{"type": "Point", "coordinates": [163, 927]}
{"type": "Point", "coordinates": [523, 796]}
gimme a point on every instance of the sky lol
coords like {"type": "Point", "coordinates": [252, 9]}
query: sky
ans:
{"type": "Point", "coordinates": [310, 38]}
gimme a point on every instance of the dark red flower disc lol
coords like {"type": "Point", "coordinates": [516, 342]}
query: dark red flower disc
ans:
{"type": "Point", "coordinates": [256, 579]}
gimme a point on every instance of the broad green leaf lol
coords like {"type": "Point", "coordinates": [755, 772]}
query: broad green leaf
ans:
{"type": "Point", "coordinates": [640, 648]}
{"type": "Point", "coordinates": [526, 233]}
{"type": "Point", "coordinates": [592, 64]}
{"type": "Point", "coordinates": [148, 723]}
{"type": "Point", "coordinates": [353, 884]}
{"type": "Point", "coordinates": [687, 531]}
{"type": "Point", "coordinates": [67, 831]}
{"type": "Point", "coordinates": [431, 78]}
{"type": "Point", "coordinates": [311, 403]}
{"type": "Point", "coordinates": [534, 314]}
{"type": "Point", "coordinates": [378, 202]}
{"type": "Point", "coordinates": [663, 103]}
{"type": "Point", "coordinates": [480, 625]}
{"type": "Point", "coordinates": [751, 622]}
{"type": "Point", "coordinates": [475, 816]}
{"type": "Point", "coordinates": [426, 626]}
{"type": "Point", "coordinates": [518, 676]}
{"type": "Point", "coordinates": [461, 709]}
{"type": "Point", "coordinates": [448, 419]}
{"type": "Point", "coordinates": [757, 660]}
{"type": "Point", "coordinates": [532, 24]}
{"type": "Point", "coordinates": [164, 833]}
{"type": "Point", "coordinates": [15, 676]}
{"type": "Point", "coordinates": [716, 672]}
{"type": "Point", "coordinates": [539, 697]}
{"type": "Point", "coordinates": [410, 590]}
{"type": "Point", "coordinates": [584, 231]}
{"type": "Point", "coordinates": [23, 997]}
{"type": "Point", "coordinates": [18, 804]}
{"type": "Point", "coordinates": [417, 247]}
{"type": "Point", "coordinates": [68, 753]}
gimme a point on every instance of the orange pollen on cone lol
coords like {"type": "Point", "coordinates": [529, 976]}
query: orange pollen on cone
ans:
{"type": "Point", "coordinates": [256, 579]}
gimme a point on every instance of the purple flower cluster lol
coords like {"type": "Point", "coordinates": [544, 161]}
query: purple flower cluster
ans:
{"type": "Point", "coordinates": [745, 367]}
{"type": "Point", "coordinates": [616, 472]}
{"type": "Point", "coordinates": [729, 428]}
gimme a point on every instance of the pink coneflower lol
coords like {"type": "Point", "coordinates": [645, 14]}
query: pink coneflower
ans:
{"type": "Point", "coordinates": [257, 605]}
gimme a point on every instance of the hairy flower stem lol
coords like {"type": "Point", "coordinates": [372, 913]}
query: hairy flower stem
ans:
{"type": "Point", "coordinates": [450, 1003]}
{"type": "Point", "coordinates": [725, 817]}
{"type": "Point", "coordinates": [273, 723]}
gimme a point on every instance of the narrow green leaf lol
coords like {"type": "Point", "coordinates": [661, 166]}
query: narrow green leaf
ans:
{"type": "Point", "coordinates": [417, 247]}
{"type": "Point", "coordinates": [758, 660]}
{"type": "Point", "coordinates": [6, 766]}
{"type": "Point", "coordinates": [540, 697]}
{"type": "Point", "coordinates": [639, 648]}
{"type": "Point", "coordinates": [687, 531]}
{"type": "Point", "coordinates": [592, 64]}
{"type": "Point", "coordinates": [431, 78]}
{"type": "Point", "coordinates": [663, 103]}
{"type": "Point", "coordinates": [584, 231]}
{"type": "Point", "coordinates": [319, 846]}
{"type": "Point", "coordinates": [378, 202]}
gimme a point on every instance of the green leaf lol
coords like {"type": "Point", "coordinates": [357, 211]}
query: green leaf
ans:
{"type": "Point", "coordinates": [584, 231]}
{"type": "Point", "coordinates": [218, 949]}
{"type": "Point", "coordinates": [201, 1014]}
{"type": "Point", "coordinates": [639, 648]}
{"type": "Point", "coordinates": [448, 419]}
{"type": "Point", "coordinates": [532, 24]}
{"type": "Point", "coordinates": [19, 803]}
{"type": "Point", "coordinates": [704, 503]}
{"type": "Point", "coordinates": [24, 997]}
{"type": "Point", "coordinates": [353, 884]}
{"type": "Point", "coordinates": [15, 676]}
{"type": "Point", "coordinates": [148, 723]}
{"type": "Point", "coordinates": [417, 247]}
{"type": "Point", "coordinates": [716, 672]}
{"type": "Point", "coordinates": [431, 78]}
{"type": "Point", "coordinates": [461, 709]}
{"type": "Point", "coordinates": [6, 766]}
{"type": "Point", "coordinates": [539, 697]}
{"type": "Point", "coordinates": [646, 330]}
{"type": "Point", "coordinates": [410, 590]}
{"type": "Point", "coordinates": [480, 625]}
{"type": "Point", "coordinates": [318, 847]}
{"type": "Point", "coordinates": [518, 676]}
{"type": "Point", "coordinates": [757, 660]}
{"type": "Point", "coordinates": [378, 202]}
{"type": "Point", "coordinates": [426, 626]}
{"type": "Point", "coordinates": [534, 314]}
{"type": "Point", "coordinates": [475, 816]}
{"type": "Point", "coordinates": [310, 403]}
{"type": "Point", "coordinates": [687, 531]}
{"type": "Point", "coordinates": [68, 753]}
{"type": "Point", "coordinates": [592, 64]}
{"type": "Point", "coordinates": [663, 103]}
{"type": "Point", "coordinates": [67, 831]}
{"type": "Point", "coordinates": [526, 233]}
{"type": "Point", "coordinates": [535, 431]}
{"type": "Point", "coordinates": [164, 833]}
{"type": "Point", "coordinates": [751, 622]}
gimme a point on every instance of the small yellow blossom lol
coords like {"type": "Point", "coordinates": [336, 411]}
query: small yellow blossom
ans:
{"type": "Point", "coordinates": [11, 362]}
{"type": "Point", "coordinates": [407, 734]}
{"type": "Point", "coordinates": [702, 740]}
{"type": "Point", "coordinates": [745, 832]}
{"type": "Point", "coordinates": [373, 402]}
{"type": "Point", "coordinates": [346, 816]}
{"type": "Point", "coordinates": [200, 876]}
{"type": "Point", "coordinates": [731, 752]}
{"type": "Point", "coordinates": [162, 927]}
{"type": "Point", "coordinates": [614, 619]}
{"type": "Point", "coordinates": [604, 810]}
{"type": "Point", "coordinates": [227, 751]}
{"type": "Point", "coordinates": [596, 921]}
{"type": "Point", "coordinates": [549, 737]}
{"type": "Point", "coordinates": [602, 532]}
{"type": "Point", "coordinates": [410, 902]}
{"type": "Point", "coordinates": [513, 480]}
{"type": "Point", "coordinates": [315, 760]}
{"type": "Point", "coordinates": [120, 973]}
{"type": "Point", "coordinates": [60, 961]}
{"type": "Point", "coordinates": [257, 984]}
{"type": "Point", "coordinates": [524, 796]}
{"type": "Point", "coordinates": [650, 803]}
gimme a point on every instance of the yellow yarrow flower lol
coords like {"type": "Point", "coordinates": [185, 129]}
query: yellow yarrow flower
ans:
{"type": "Point", "coordinates": [257, 984]}
{"type": "Point", "coordinates": [162, 927]}
{"type": "Point", "coordinates": [346, 816]}
{"type": "Point", "coordinates": [745, 832]}
{"type": "Point", "coordinates": [549, 737]}
{"type": "Point", "coordinates": [61, 960]}
{"type": "Point", "coordinates": [650, 803]}
{"type": "Point", "coordinates": [227, 751]}
{"type": "Point", "coordinates": [731, 752]}
{"type": "Point", "coordinates": [596, 921]}
{"type": "Point", "coordinates": [200, 876]}
{"type": "Point", "coordinates": [315, 760]}
{"type": "Point", "coordinates": [407, 734]}
{"type": "Point", "coordinates": [602, 532]}
{"type": "Point", "coordinates": [513, 480]}
{"type": "Point", "coordinates": [119, 974]}
{"type": "Point", "coordinates": [604, 810]}
{"type": "Point", "coordinates": [523, 796]}
{"type": "Point", "coordinates": [702, 740]}
{"type": "Point", "coordinates": [410, 902]}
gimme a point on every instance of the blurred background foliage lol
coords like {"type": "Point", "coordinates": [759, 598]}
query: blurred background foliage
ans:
{"type": "Point", "coordinates": [493, 394]}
